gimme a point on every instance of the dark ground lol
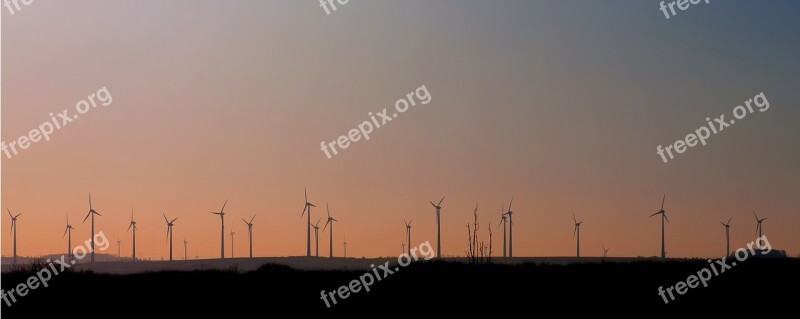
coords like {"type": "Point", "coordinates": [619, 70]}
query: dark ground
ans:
{"type": "Point", "coordinates": [624, 289]}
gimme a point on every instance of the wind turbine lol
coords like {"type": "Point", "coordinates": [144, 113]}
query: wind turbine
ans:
{"type": "Point", "coordinates": [169, 233]}
{"type": "Point", "coordinates": [221, 214]}
{"type": "Point", "coordinates": [408, 234]}
{"type": "Point", "coordinates": [403, 248]}
{"type": "Point", "coordinates": [663, 218]}
{"type": "Point", "coordinates": [133, 225]}
{"type": "Point", "coordinates": [504, 222]}
{"type": "Point", "coordinates": [316, 235]}
{"type": "Point", "coordinates": [68, 231]}
{"type": "Point", "coordinates": [510, 229]}
{"type": "Point", "coordinates": [185, 243]}
{"type": "Point", "coordinates": [577, 231]}
{"type": "Point", "coordinates": [92, 212]}
{"type": "Point", "coordinates": [330, 221]}
{"type": "Point", "coordinates": [758, 226]}
{"type": "Point", "coordinates": [119, 248]}
{"type": "Point", "coordinates": [345, 247]}
{"type": "Point", "coordinates": [14, 233]}
{"type": "Point", "coordinates": [308, 225]}
{"type": "Point", "coordinates": [605, 251]}
{"type": "Point", "coordinates": [438, 227]}
{"type": "Point", "coordinates": [728, 236]}
{"type": "Point", "coordinates": [232, 233]}
{"type": "Point", "coordinates": [250, 233]}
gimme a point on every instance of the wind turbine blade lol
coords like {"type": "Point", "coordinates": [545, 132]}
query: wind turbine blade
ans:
{"type": "Point", "coordinates": [304, 210]}
{"type": "Point", "coordinates": [251, 219]}
{"type": "Point", "coordinates": [87, 216]}
{"type": "Point", "coordinates": [65, 232]}
{"type": "Point", "coordinates": [410, 221]}
{"type": "Point", "coordinates": [20, 214]}
{"type": "Point", "coordinates": [662, 201]}
{"type": "Point", "coordinates": [176, 218]}
{"type": "Point", "coordinates": [723, 224]}
{"type": "Point", "coordinates": [9, 213]}
{"type": "Point", "coordinates": [129, 226]}
{"type": "Point", "coordinates": [574, 231]}
{"type": "Point", "coordinates": [90, 201]}
{"type": "Point", "coordinates": [573, 218]}
{"type": "Point", "coordinates": [754, 214]}
{"type": "Point", "coordinates": [245, 221]}
{"type": "Point", "coordinates": [328, 208]}
{"type": "Point", "coordinates": [326, 225]}
{"type": "Point", "coordinates": [440, 202]}
{"type": "Point", "coordinates": [432, 204]}
{"type": "Point", "coordinates": [98, 214]}
{"type": "Point", "coordinates": [511, 203]}
{"type": "Point", "coordinates": [729, 220]}
{"type": "Point", "coordinates": [305, 193]}
{"type": "Point", "coordinates": [665, 217]}
{"type": "Point", "coordinates": [655, 214]}
{"type": "Point", "coordinates": [165, 218]}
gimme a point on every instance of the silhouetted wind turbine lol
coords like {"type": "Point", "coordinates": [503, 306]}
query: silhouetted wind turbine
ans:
{"type": "Point", "coordinates": [68, 231]}
{"type": "Point", "coordinates": [14, 233]}
{"type": "Point", "coordinates": [119, 248]}
{"type": "Point", "coordinates": [307, 207]}
{"type": "Point", "coordinates": [170, 223]}
{"type": "Point", "coordinates": [133, 225]}
{"type": "Point", "coordinates": [605, 251]}
{"type": "Point", "coordinates": [663, 218]}
{"type": "Point", "coordinates": [316, 235]}
{"type": "Point", "coordinates": [504, 222]}
{"type": "Point", "coordinates": [758, 226]}
{"type": "Point", "coordinates": [577, 231]}
{"type": "Point", "coordinates": [510, 229]}
{"type": "Point", "coordinates": [232, 233]}
{"type": "Point", "coordinates": [345, 247]}
{"type": "Point", "coordinates": [92, 212]}
{"type": "Point", "coordinates": [330, 221]}
{"type": "Point", "coordinates": [408, 234]}
{"type": "Point", "coordinates": [728, 236]}
{"type": "Point", "coordinates": [438, 227]}
{"type": "Point", "coordinates": [185, 244]}
{"type": "Point", "coordinates": [221, 214]}
{"type": "Point", "coordinates": [250, 233]}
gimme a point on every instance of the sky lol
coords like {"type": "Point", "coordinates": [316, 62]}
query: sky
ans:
{"type": "Point", "coordinates": [560, 104]}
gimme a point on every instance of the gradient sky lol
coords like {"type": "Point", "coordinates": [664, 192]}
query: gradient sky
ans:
{"type": "Point", "coordinates": [560, 104]}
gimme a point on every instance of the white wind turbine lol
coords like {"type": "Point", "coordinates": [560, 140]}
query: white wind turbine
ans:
{"type": "Point", "coordinates": [330, 221]}
{"type": "Point", "coordinates": [307, 207]}
{"type": "Point", "coordinates": [438, 227]}
{"type": "Point", "coordinates": [133, 225]}
{"type": "Point", "coordinates": [221, 214]}
{"type": "Point", "coordinates": [170, 223]}
{"type": "Point", "coordinates": [14, 233]}
{"type": "Point", "coordinates": [250, 233]}
{"type": "Point", "coordinates": [92, 212]}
